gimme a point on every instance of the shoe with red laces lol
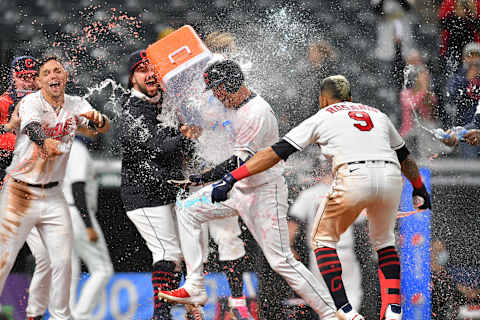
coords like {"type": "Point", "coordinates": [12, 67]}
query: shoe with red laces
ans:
{"type": "Point", "coordinates": [193, 313]}
{"type": "Point", "coordinates": [181, 295]}
{"type": "Point", "coordinates": [35, 318]}
{"type": "Point", "coordinates": [239, 309]}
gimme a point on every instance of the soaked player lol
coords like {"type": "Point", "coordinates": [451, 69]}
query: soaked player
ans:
{"type": "Point", "coordinates": [368, 156]}
{"type": "Point", "coordinates": [260, 201]}
{"type": "Point", "coordinates": [32, 195]}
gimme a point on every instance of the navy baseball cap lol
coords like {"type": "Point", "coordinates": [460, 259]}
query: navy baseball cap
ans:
{"type": "Point", "coordinates": [227, 72]}
{"type": "Point", "coordinates": [24, 64]}
{"type": "Point", "coordinates": [134, 60]}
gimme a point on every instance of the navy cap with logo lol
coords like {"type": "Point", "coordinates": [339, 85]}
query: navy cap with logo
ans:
{"type": "Point", "coordinates": [24, 64]}
{"type": "Point", "coordinates": [134, 60]}
{"type": "Point", "coordinates": [227, 72]}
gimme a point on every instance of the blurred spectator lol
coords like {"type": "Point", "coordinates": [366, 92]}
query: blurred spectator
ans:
{"type": "Point", "coordinates": [320, 62]}
{"type": "Point", "coordinates": [463, 94]}
{"type": "Point", "coordinates": [459, 22]}
{"type": "Point", "coordinates": [445, 297]}
{"type": "Point", "coordinates": [417, 100]}
{"type": "Point", "coordinates": [394, 29]}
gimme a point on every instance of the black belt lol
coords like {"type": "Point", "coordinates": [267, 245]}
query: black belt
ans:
{"type": "Point", "coordinates": [365, 161]}
{"type": "Point", "coordinates": [43, 186]}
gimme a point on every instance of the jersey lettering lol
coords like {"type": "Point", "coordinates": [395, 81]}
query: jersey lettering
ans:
{"type": "Point", "coordinates": [365, 124]}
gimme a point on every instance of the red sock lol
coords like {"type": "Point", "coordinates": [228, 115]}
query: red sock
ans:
{"type": "Point", "coordinates": [389, 276]}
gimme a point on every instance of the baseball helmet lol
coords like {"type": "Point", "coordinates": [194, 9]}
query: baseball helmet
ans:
{"type": "Point", "coordinates": [226, 72]}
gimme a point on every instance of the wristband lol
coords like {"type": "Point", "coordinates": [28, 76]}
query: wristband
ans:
{"type": "Point", "coordinates": [240, 173]}
{"type": "Point", "coordinates": [417, 183]}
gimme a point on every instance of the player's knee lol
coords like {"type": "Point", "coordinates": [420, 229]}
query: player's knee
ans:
{"type": "Point", "coordinates": [281, 264]}
{"type": "Point", "coordinates": [316, 243]}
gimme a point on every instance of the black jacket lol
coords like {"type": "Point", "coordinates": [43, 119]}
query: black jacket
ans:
{"type": "Point", "coordinates": [151, 154]}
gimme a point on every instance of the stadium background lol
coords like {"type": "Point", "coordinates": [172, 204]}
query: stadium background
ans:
{"type": "Point", "coordinates": [82, 32]}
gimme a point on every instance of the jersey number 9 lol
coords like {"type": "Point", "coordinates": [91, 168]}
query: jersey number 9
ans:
{"type": "Point", "coordinates": [365, 124]}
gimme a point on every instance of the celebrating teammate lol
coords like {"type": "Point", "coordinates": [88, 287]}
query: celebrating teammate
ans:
{"type": "Point", "coordinates": [80, 189]}
{"type": "Point", "coordinates": [152, 154]}
{"type": "Point", "coordinates": [23, 72]}
{"type": "Point", "coordinates": [367, 156]}
{"type": "Point", "coordinates": [260, 201]}
{"type": "Point", "coordinates": [32, 196]}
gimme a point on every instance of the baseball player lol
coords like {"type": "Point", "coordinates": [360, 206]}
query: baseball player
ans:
{"type": "Point", "coordinates": [304, 209]}
{"type": "Point", "coordinates": [260, 201]}
{"type": "Point", "coordinates": [32, 196]}
{"type": "Point", "coordinates": [151, 155]}
{"type": "Point", "coordinates": [23, 72]}
{"type": "Point", "coordinates": [215, 145]}
{"type": "Point", "coordinates": [80, 189]}
{"type": "Point", "coordinates": [367, 156]}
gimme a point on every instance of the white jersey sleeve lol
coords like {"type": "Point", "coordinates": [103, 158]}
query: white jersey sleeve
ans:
{"type": "Point", "coordinates": [30, 110]}
{"type": "Point", "coordinates": [396, 141]}
{"type": "Point", "coordinates": [305, 133]}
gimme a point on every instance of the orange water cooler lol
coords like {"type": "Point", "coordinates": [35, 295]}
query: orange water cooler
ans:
{"type": "Point", "coordinates": [179, 60]}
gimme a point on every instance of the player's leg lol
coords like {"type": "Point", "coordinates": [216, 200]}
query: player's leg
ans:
{"type": "Point", "coordinates": [55, 228]}
{"type": "Point", "coordinates": [76, 275]}
{"type": "Point", "coordinates": [382, 216]}
{"type": "Point", "coordinates": [39, 290]}
{"type": "Point", "coordinates": [231, 251]}
{"type": "Point", "coordinates": [97, 259]}
{"type": "Point", "coordinates": [264, 211]}
{"type": "Point", "coordinates": [191, 213]}
{"type": "Point", "coordinates": [340, 209]}
{"type": "Point", "coordinates": [19, 212]}
{"type": "Point", "coordinates": [157, 225]}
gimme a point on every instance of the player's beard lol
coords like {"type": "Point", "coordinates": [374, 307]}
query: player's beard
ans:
{"type": "Point", "coordinates": [148, 92]}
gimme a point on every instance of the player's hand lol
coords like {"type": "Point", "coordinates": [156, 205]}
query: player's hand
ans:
{"type": "Point", "coordinates": [50, 148]}
{"type": "Point", "coordinates": [96, 117]}
{"type": "Point", "coordinates": [14, 122]}
{"type": "Point", "coordinates": [196, 179]}
{"type": "Point", "coordinates": [221, 189]}
{"type": "Point", "coordinates": [92, 235]}
{"type": "Point", "coordinates": [422, 193]}
{"type": "Point", "coordinates": [452, 141]}
{"type": "Point", "coordinates": [472, 137]}
{"type": "Point", "coordinates": [191, 132]}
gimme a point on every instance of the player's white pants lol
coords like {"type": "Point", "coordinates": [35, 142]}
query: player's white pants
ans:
{"type": "Point", "coordinates": [264, 211]}
{"type": "Point", "coordinates": [97, 259]}
{"type": "Point", "coordinates": [375, 186]}
{"type": "Point", "coordinates": [158, 227]}
{"type": "Point", "coordinates": [23, 208]}
{"type": "Point", "coordinates": [94, 254]}
{"type": "Point", "coordinates": [225, 232]}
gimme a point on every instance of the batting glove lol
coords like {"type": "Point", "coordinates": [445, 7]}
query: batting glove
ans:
{"type": "Point", "coordinates": [423, 193]}
{"type": "Point", "coordinates": [221, 189]}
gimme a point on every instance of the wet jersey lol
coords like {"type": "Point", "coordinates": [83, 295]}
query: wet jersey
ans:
{"type": "Point", "coordinates": [28, 164]}
{"type": "Point", "coordinates": [255, 127]}
{"type": "Point", "coordinates": [80, 168]}
{"type": "Point", "coordinates": [348, 132]}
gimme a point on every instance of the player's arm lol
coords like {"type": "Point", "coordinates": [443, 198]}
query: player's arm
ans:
{"type": "Point", "coordinates": [410, 171]}
{"type": "Point", "coordinates": [261, 161]}
{"type": "Point", "coordinates": [35, 133]}
{"type": "Point", "coordinates": [97, 121]}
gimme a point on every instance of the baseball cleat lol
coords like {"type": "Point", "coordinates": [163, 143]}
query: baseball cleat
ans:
{"type": "Point", "coordinates": [238, 308]}
{"type": "Point", "coordinates": [197, 297]}
{"type": "Point", "coordinates": [351, 315]}
{"type": "Point", "coordinates": [393, 312]}
{"type": "Point", "coordinates": [193, 313]}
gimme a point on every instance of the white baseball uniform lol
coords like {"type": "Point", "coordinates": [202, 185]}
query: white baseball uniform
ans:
{"type": "Point", "coordinates": [80, 168]}
{"type": "Point", "coordinates": [215, 145]}
{"type": "Point", "coordinates": [30, 197]}
{"type": "Point", "coordinates": [304, 209]}
{"type": "Point", "coordinates": [261, 201]}
{"type": "Point", "coordinates": [360, 142]}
